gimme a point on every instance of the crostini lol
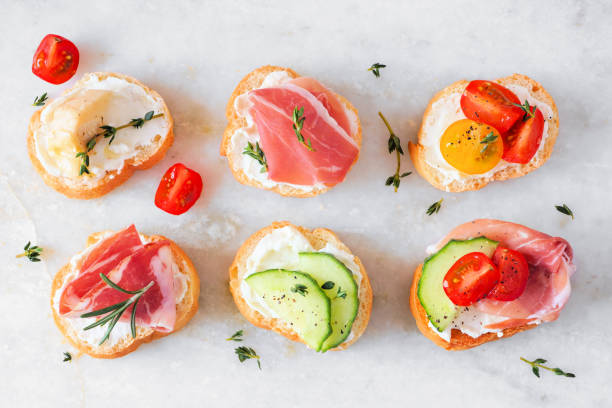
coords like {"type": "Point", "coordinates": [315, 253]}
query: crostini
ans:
{"type": "Point", "coordinates": [289, 134]}
{"type": "Point", "coordinates": [304, 284]}
{"type": "Point", "coordinates": [490, 279]}
{"type": "Point", "coordinates": [477, 132]}
{"type": "Point", "coordinates": [90, 139]}
{"type": "Point", "coordinates": [123, 290]}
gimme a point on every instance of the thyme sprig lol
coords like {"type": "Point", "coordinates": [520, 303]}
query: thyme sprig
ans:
{"type": "Point", "coordinates": [435, 207]}
{"type": "Point", "coordinates": [67, 357]}
{"type": "Point", "coordinates": [341, 293]}
{"type": "Point", "coordinates": [109, 132]}
{"type": "Point", "coordinates": [298, 124]}
{"type": "Point", "coordinates": [236, 336]}
{"type": "Point", "coordinates": [300, 288]}
{"type": "Point", "coordinates": [116, 311]}
{"type": "Point", "coordinates": [256, 153]}
{"type": "Point", "coordinates": [394, 145]}
{"type": "Point", "coordinates": [40, 100]}
{"type": "Point", "coordinates": [32, 252]}
{"type": "Point", "coordinates": [526, 107]}
{"type": "Point", "coordinates": [564, 209]}
{"type": "Point", "coordinates": [375, 68]}
{"type": "Point", "coordinates": [538, 363]}
{"type": "Point", "coordinates": [246, 353]}
{"type": "Point", "coordinates": [490, 138]}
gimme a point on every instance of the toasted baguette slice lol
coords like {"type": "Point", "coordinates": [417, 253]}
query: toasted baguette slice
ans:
{"type": "Point", "coordinates": [147, 157]}
{"type": "Point", "coordinates": [185, 310]}
{"type": "Point", "coordinates": [253, 81]}
{"type": "Point", "coordinates": [318, 239]}
{"type": "Point", "coordinates": [473, 182]}
{"type": "Point", "coordinates": [458, 340]}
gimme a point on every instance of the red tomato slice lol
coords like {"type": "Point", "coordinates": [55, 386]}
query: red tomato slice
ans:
{"type": "Point", "coordinates": [513, 274]}
{"type": "Point", "coordinates": [178, 190]}
{"type": "Point", "coordinates": [491, 103]}
{"type": "Point", "coordinates": [470, 279]}
{"type": "Point", "coordinates": [56, 59]}
{"type": "Point", "coordinates": [523, 139]}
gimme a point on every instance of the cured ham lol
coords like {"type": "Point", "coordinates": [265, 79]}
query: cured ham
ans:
{"type": "Point", "coordinates": [326, 127]}
{"type": "Point", "coordinates": [550, 268]}
{"type": "Point", "coordinates": [132, 270]}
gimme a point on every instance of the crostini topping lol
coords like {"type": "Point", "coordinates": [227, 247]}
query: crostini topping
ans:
{"type": "Point", "coordinates": [513, 274]}
{"type": "Point", "coordinates": [471, 147]}
{"type": "Point", "coordinates": [523, 139]}
{"type": "Point", "coordinates": [298, 123]}
{"type": "Point", "coordinates": [40, 100]}
{"type": "Point", "coordinates": [470, 279]}
{"type": "Point", "coordinates": [32, 252]}
{"type": "Point", "coordinates": [256, 153]}
{"type": "Point", "coordinates": [179, 189]}
{"type": "Point", "coordinates": [564, 209]}
{"type": "Point", "coordinates": [56, 59]}
{"type": "Point", "coordinates": [491, 103]}
{"type": "Point", "coordinates": [528, 109]}
{"type": "Point", "coordinates": [375, 69]}
{"type": "Point", "coordinates": [394, 145]}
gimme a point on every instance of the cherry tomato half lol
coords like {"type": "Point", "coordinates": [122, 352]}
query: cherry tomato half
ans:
{"type": "Point", "coordinates": [523, 139]}
{"type": "Point", "coordinates": [513, 274]}
{"type": "Point", "coordinates": [56, 59]}
{"type": "Point", "coordinates": [491, 103]}
{"type": "Point", "coordinates": [470, 279]}
{"type": "Point", "coordinates": [178, 190]}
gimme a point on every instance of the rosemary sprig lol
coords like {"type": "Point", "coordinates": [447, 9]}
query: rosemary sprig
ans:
{"type": "Point", "coordinates": [395, 145]}
{"type": "Point", "coordinates": [538, 363]}
{"type": "Point", "coordinates": [341, 293]}
{"type": "Point", "coordinates": [375, 69]}
{"type": "Point", "coordinates": [529, 113]}
{"type": "Point", "coordinates": [328, 285]}
{"type": "Point", "coordinates": [256, 153]}
{"type": "Point", "coordinates": [490, 138]}
{"type": "Point", "coordinates": [564, 209]}
{"type": "Point", "coordinates": [300, 288]}
{"type": "Point", "coordinates": [109, 132]}
{"type": "Point", "coordinates": [236, 336]}
{"type": "Point", "coordinates": [115, 311]}
{"type": "Point", "coordinates": [40, 100]}
{"type": "Point", "coordinates": [32, 252]}
{"type": "Point", "coordinates": [435, 207]}
{"type": "Point", "coordinates": [298, 124]}
{"type": "Point", "coordinates": [67, 357]}
{"type": "Point", "coordinates": [245, 353]}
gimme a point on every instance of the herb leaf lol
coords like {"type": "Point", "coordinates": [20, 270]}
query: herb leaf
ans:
{"type": "Point", "coordinates": [236, 336]}
{"type": "Point", "coordinates": [375, 69]}
{"type": "Point", "coordinates": [435, 207]}
{"type": "Point", "coordinates": [538, 363]}
{"type": "Point", "coordinates": [67, 356]}
{"type": "Point", "coordinates": [298, 124]}
{"type": "Point", "coordinates": [491, 137]}
{"type": "Point", "coordinates": [40, 100]}
{"type": "Point", "coordinates": [256, 153]}
{"type": "Point", "coordinates": [529, 113]}
{"type": "Point", "coordinates": [32, 252]}
{"type": "Point", "coordinates": [245, 353]}
{"type": "Point", "coordinates": [328, 285]}
{"type": "Point", "coordinates": [394, 145]}
{"type": "Point", "coordinates": [564, 209]}
{"type": "Point", "coordinates": [341, 293]}
{"type": "Point", "coordinates": [300, 288]}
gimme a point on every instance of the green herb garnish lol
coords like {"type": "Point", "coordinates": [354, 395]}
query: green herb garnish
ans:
{"type": "Point", "coordinates": [31, 252]}
{"type": "Point", "coordinates": [115, 311]}
{"type": "Point", "coordinates": [435, 207]}
{"type": "Point", "coordinates": [298, 124]}
{"type": "Point", "coordinates": [328, 285]}
{"type": "Point", "coordinates": [341, 293]}
{"type": "Point", "coordinates": [394, 145]}
{"type": "Point", "coordinates": [109, 132]}
{"type": "Point", "coordinates": [67, 356]}
{"type": "Point", "coordinates": [490, 138]}
{"type": "Point", "coordinates": [299, 288]}
{"type": "Point", "coordinates": [245, 353]}
{"type": "Point", "coordinates": [256, 153]}
{"type": "Point", "coordinates": [538, 363]}
{"type": "Point", "coordinates": [564, 209]}
{"type": "Point", "coordinates": [375, 69]}
{"type": "Point", "coordinates": [529, 113]}
{"type": "Point", "coordinates": [236, 336]}
{"type": "Point", "coordinates": [40, 100]}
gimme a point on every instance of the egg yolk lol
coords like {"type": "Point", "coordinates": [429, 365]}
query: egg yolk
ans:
{"type": "Point", "coordinates": [471, 147]}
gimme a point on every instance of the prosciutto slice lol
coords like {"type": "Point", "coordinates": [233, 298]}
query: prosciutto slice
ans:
{"type": "Point", "coordinates": [550, 268]}
{"type": "Point", "coordinates": [326, 126]}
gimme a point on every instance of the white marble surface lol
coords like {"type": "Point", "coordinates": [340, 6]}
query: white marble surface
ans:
{"type": "Point", "coordinates": [194, 53]}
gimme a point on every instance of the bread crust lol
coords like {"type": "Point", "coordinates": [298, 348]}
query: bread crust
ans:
{"type": "Point", "coordinates": [434, 177]}
{"type": "Point", "coordinates": [185, 310]}
{"type": "Point", "coordinates": [458, 340]}
{"type": "Point", "coordinates": [71, 187]}
{"type": "Point", "coordinates": [251, 81]}
{"type": "Point", "coordinates": [317, 238]}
